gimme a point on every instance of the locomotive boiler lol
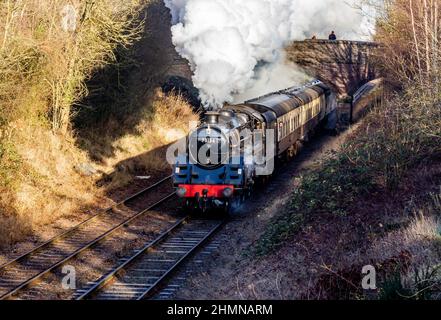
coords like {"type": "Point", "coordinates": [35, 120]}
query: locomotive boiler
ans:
{"type": "Point", "coordinates": [238, 145]}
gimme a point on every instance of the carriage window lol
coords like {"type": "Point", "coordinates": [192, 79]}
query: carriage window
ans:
{"type": "Point", "coordinates": [280, 130]}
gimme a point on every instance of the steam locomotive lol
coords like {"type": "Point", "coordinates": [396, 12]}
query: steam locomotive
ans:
{"type": "Point", "coordinates": [237, 146]}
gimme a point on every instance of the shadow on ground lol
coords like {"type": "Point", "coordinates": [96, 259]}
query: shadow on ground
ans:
{"type": "Point", "coordinates": [121, 94]}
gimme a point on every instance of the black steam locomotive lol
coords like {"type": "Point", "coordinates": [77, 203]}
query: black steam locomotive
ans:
{"type": "Point", "coordinates": [236, 146]}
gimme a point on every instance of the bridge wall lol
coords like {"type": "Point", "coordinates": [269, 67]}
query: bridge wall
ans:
{"type": "Point", "coordinates": [343, 65]}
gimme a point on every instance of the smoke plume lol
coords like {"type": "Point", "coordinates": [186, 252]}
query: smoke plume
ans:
{"type": "Point", "coordinates": [235, 46]}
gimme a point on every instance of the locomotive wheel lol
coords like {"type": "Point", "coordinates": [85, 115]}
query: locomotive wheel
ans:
{"type": "Point", "coordinates": [292, 151]}
{"type": "Point", "coordinates": [226, 209]}
{"type": "Point", "coordinates": [298, 147]}
{"type": "Point", "coordinates": [288, 155]}
{"type": "Point", "coordinates": [306, 137]}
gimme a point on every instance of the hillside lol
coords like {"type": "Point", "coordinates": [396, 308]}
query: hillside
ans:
{"type": "Point", "coordinates": [377, 200]}
{"type": "Point", "coordinates": [79, 112]}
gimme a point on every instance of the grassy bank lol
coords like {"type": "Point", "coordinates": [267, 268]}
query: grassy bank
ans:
{"type": "Point", "coordinates": [49, 52]}
{"type": "Point", "coordinates": [390, 163]}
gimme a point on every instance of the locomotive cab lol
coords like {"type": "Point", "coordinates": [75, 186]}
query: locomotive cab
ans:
{"type": "Point", "coordinates": [210, 174]}
{"type": "Point", "coordinates": [217, 169]}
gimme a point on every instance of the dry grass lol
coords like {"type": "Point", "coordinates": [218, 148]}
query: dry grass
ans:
{"type": "Point", "coordinates": [43, 71]}
{"type": "Point", "coordinates": [420, 278]}
{"type": "Point", "coordinates": [49, 187]}
{"type": "Point", "coordinates": [43, 66]}
{"type": "Point", "coordinates": [423, 227]}
{"type": "Point", "coordinates": [417, 238]}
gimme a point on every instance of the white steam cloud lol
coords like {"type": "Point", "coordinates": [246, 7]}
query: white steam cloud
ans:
{"type": "Point", "coordinates": [270, 78]}
{"type": "Point", "coordinates": [235, 46]}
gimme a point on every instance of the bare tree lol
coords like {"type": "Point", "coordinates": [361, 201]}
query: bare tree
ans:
{"type": "Point", "coordinates": [408, 32]}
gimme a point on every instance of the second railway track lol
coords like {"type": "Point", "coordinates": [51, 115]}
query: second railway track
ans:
{"type": "Point", "coordinates": [142, 275]}
{"type": "Point", "coordinates": [23, 271]}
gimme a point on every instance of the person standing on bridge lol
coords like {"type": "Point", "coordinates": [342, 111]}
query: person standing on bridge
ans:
{"type": "Point", "coordinates": [332, 36]}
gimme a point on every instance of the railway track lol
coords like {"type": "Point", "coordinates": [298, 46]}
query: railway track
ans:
{"type": "Point", "coordinates": [30, 267]}
{"type": "Point", "coordinates": [142, 275]}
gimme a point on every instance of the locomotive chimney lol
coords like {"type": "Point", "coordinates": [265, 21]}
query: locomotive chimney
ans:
{"type": "Point", "coordinates": [212, 117]}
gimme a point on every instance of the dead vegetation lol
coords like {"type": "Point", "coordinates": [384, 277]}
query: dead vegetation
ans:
{"type": "Point", "coordinates": [48, 51]}
{"type": "Point", "coordinates": [409, 32]}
